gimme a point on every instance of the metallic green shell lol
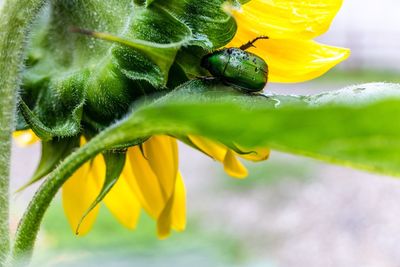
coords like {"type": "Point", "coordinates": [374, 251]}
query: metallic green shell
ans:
{"type": "Point", "coordinates": [237, 67]}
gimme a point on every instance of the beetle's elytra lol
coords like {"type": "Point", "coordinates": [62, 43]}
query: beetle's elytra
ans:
{"type": "Point", "coordinates": [237, 67]}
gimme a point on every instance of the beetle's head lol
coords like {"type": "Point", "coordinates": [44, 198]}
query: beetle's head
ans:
{"type": "Point", "coordinates": [205, 61]}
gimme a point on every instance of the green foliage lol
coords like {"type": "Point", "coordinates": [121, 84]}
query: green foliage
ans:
{"type": "Point", "coordinates": [353, 127]}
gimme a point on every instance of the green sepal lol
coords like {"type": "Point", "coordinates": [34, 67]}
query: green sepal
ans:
{"type": "Point", "coordinates": [115, 161]}
{"type": "Point", "coordinates": [179, 75]}
{"type": "Point", "coordinates": [156, 56]}
{"type": "Point", "coordinates": [211, 26]}
{"type": "Point", "coordinates": [65, 127]}
{"type": "Point", "coordinates": [53, 152]}
{"type": "Point", "coordinates": [189, 60]}
{"type": "Point", "coordinates": [20, 123]}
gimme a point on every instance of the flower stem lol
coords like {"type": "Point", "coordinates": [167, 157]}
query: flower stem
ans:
{"type": "Point", "coordinates": [15, 20]}
{"type": "Point", "coordinates": [29, 225]}
{"type": "Point", "coordinates": [30, 222]}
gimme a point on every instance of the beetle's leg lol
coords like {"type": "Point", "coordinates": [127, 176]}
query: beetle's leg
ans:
{"type": "Point", "coordinates": [257, 94]}
{"type": "Point", "coordinates": [262, 95]}
{"type": "Point", "coordinates": [251, 43]}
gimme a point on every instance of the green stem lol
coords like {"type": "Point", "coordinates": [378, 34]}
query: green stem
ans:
{"type": "Point", "coordinates": [15, 20]}
{"type": "Point", "coordinates": [30, 222]}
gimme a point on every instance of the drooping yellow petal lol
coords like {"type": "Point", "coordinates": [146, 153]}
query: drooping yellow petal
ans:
{"type": "Point", "coordinates": [144, 182]}
{"type": "Point", "coordinates": [162, 154]}
{"type": "Point", "coordinates": [174, 214]}
{"type": "Point", "coordinates": [153, 172]}
{"type": "Point", "coordinates": [284, 19]}
{"type": "Point", "coordinates": [298, 60]}
{"type": "Point", "coordinates": [97, 168]}
{"type": "Point", "coordinates": [221, 153]}
{"type": "Point", "coordinates": [164, 220]}
{"type": "Point", "coordinates": [123, 203]}
{"type": "Point", "coordinates": [233, 166]}
{"type": "Point", "coordinates": [78, 193]}
{"type": "Point", "coordinates": [179, 206]}
{"type": "Point", "coordinates": [121, 200]}
{"type": "Point", "coordinates": [215, 150]}
{"type": "Point", "coordinates": [25, 137]}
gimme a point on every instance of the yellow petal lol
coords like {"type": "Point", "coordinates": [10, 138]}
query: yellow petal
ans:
{"type": "Point", "coordinates": [284, 19]}
{"type": "Point", "coordinates": [233, 166]}
{"type": "Point", "coordinates": [215, 150]}
{"type": "Point", "coordinates": [78, 193]}
{"type": "Point", "coordinates": [298, 60]}
{"type": "Point", "coordinates": [25, 137]}
{"type": "Point", "coordinates": [174, 213]}
{"type": "Point", "coordinates": [164, 221]}
{"type": "Point", "coordinates": [162, 154]}
{"type": "Point", "coordinates": [179, 206]}
{"type": "Point", "coordinates": [123, 203]}
{"type": "Point", "coordinates": [144, 182]}
{"type": "Point", "coordinates": [221, 153]}
{"type": "Point", "coordinates": [97, 169]}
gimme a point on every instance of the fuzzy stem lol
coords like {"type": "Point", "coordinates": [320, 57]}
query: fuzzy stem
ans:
{"type": "Point", "coordinates": [16, 18]}
{"type": "Point", "coordinates": [30, 223]}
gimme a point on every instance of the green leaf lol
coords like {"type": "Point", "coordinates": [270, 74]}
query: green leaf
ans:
{"type": "Point", "coordinates": [115, 161]}
{"type": "Point", "coordinates": [53, 152]}
{"type": "Point", "coordinates": [356, 126]}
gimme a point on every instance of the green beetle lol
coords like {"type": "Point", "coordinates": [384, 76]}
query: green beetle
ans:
{"type": "Point", "coordinates": [238, 68]}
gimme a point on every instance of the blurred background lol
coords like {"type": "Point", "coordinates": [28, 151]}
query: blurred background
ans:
{"type": "Point", "coordinates": [291, 211]}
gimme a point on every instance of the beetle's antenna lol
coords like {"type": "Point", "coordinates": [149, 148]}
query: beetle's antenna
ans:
{"type": "Point", "coordinates": [251, 43]}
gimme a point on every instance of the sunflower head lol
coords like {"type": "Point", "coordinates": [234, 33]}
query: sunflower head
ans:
{"type": "Point", "coordinates": [79, 82]}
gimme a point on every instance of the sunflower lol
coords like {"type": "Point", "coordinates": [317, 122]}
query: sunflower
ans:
{"type": "Point", "coordinates": [291, 26]}
{"type": "Point", "coordinates": [150, 179]}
